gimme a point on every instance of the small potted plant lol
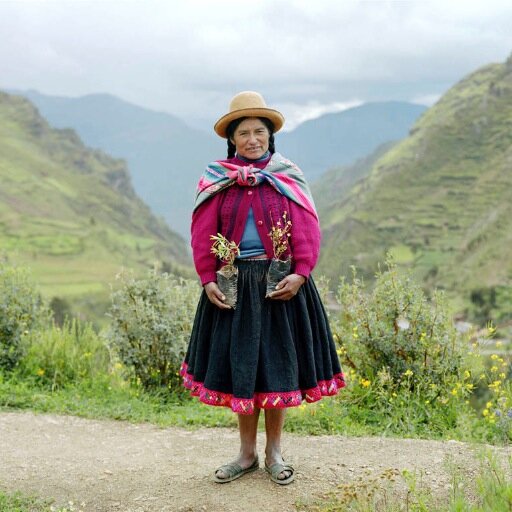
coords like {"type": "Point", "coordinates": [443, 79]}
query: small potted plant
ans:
{"type": "Point", "coordinates": [279, 268]}
{"type": "Point", "coordinates": [227, 276]}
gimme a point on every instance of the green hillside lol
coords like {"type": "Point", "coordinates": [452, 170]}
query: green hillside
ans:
{"type": "Point", "coordinates": [69, 212]}
{"type": "Point", "coordinates": [165, 156]}
{"type": "Point", "coordinates": [337, 182]}
{"type": "Point", "coordinates": [440, 200]}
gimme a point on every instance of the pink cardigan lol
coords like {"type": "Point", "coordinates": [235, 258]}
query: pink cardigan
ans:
{"type": "Point", "coordinates": [226, 212]}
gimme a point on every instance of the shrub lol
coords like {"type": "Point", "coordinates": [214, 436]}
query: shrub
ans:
{"type": "Point", "coordinates": [396, 329]}
{"type": "Point", "coordinates": [58, 356]}
{"type": "Point", "coordinates": [407, 363]}
{"type": "Point", "coordinates": [21, 309]}
{"type": "Point", "coordinates": [152, 320]}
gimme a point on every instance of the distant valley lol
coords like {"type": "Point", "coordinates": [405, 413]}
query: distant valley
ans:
{"type": "Point", "coordinates": [166, 157]}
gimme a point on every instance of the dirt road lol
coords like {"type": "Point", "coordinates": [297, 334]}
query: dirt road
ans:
{"type": "Point", "coordinates": [116, 466]}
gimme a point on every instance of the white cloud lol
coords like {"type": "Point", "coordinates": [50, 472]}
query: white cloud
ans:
{"type": "Point", "coordinates": [190, 57]}
{"type": "Point", "coordinates": [298, 113]}
{"type": "Point", "coordinates": [425, 99]}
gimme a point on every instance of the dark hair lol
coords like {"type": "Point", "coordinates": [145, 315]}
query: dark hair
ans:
{"type": "Point", "coordinates": [230, 131]}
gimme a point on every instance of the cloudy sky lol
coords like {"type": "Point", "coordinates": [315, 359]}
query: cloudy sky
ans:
{"type": "Point", "coordinates": [188, 57]}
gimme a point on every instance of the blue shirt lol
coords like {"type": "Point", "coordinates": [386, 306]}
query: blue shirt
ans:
{"type": "Point", "coordinates": [250, 244]}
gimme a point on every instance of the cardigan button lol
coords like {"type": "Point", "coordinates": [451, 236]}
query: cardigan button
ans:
{"type": "Point", "coordinates": [260, 223]}
{"type": "Point", "coordinates": [249, 193]}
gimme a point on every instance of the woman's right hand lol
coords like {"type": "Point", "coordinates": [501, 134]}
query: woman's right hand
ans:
{"type": "Point", "coordinates": [215, 295]}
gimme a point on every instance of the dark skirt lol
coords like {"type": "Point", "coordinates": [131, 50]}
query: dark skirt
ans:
{"type": "Point", "coordinates": [266, 353]}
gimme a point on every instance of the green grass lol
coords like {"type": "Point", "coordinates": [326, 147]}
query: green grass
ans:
{"type": "Point", "coordinates": [102, 401]}
{"type": "Point", "coordinates": [18, 502]}
{"type": "Point", "coordinates": [120, 401]}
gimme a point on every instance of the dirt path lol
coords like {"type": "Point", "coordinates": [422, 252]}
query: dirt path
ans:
{"type": "Point", "coordinates": [117, 466]}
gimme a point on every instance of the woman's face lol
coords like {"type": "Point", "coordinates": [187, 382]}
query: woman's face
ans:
{"type": "Point", "coordinates": [251, 138]}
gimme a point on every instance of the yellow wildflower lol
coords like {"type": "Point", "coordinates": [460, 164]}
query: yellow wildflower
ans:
{"type": "Point", "coordinates": [365, 383]}
{"type": "Point", "coordinates": [408, 373]}
{"type": "Point", "coordinates": [494, 357]}
{"type": "Point", "coordinates": [488, 405]}
{"type": "Point", "coordinates": [454, 391]}
{"type": "Point", "coordinates": [467, 374]}
{"type": "Point", "coordinates": [40, 372]}
{"type": "Point", "coordinates": [485, 412]}
{"type": "Point", "coordinates": [499, 344]}
{"type": "Point", "coordinates": [494, 369]}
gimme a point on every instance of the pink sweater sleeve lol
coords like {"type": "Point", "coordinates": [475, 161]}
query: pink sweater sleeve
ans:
{"type": "Point", "coordinates": [305, 239]}
{"type": "Point", "coordinates": [204, 224]}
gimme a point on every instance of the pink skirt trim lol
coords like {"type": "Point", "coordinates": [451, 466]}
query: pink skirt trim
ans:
{"type": "Point", "coordinates": [270, 400]}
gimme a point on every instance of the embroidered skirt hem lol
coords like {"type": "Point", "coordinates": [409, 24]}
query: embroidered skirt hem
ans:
{"type": "Point", "coordinates": [272, 400]}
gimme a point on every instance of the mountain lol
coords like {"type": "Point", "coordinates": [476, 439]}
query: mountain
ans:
{"type": "Point", "coordinates": [440, 200]}
{"type": "Point", "coordinates": [344, 137]}
{"type": "Point", "coordinates": [165, 156]}
{"type": "Point", "coordinates": [336, 183]}
{"type": "Point", "coordinates": [70, 212]}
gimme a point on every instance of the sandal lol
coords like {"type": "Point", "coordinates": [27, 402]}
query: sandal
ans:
{"type": "Point", "coordinates": [276, 469]}
{"type": "Point", "coordinates": [234, 471]}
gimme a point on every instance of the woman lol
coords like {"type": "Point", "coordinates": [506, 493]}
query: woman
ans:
{"type": "Point", "coordinates": [270, 352]}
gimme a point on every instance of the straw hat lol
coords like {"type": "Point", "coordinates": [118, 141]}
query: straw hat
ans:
{"type": "Point", "coordinates": [248, 104]}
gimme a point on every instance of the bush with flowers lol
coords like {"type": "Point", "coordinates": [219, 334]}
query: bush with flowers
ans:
{"type": "Point", "coordinates": [409, 370]}
{"type": "Point", "coordinates": [492, 396]}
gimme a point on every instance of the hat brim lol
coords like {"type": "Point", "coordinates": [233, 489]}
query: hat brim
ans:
{"type": "Point", "coordinates": [273, 115]}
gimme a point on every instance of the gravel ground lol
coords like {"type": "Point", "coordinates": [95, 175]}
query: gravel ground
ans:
{"type": "Point", "coordinates": [105, 466]}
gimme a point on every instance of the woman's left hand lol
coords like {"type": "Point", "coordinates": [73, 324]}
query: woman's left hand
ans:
{"type": "Point", "coordinates": [288, 287]}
